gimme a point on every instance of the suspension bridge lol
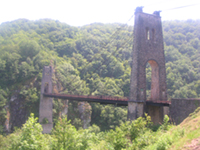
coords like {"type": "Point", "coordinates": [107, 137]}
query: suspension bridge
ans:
{"type": "Point", "coordinates": [147, 48]}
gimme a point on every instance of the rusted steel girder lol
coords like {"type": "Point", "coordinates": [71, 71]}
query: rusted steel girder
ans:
{"type": "Point", "coordinates": [121, 101]}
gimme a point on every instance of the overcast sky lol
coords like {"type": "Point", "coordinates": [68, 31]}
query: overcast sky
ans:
{"type": "Point", "coordinates": [82, 12]}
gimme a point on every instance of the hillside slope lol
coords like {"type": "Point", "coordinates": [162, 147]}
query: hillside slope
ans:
{"type": "Point", "coordinates": [191, 138]}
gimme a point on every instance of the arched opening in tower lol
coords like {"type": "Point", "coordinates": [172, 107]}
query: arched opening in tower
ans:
{"type": "Point", "coordinates": [152, 80]}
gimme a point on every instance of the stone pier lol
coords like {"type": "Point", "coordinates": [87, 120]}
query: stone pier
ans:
{"type": "Point", "coordinates": [46, 103]}
{"type": "Point", "coordinates": [147, 48]}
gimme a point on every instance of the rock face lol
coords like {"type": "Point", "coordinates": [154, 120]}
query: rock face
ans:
{"type": "Point", "coordinates": [7, 121]}
{"type": "Point", "coordinates": [19, 113]}
{"type": "Point", "coordinates": [64, 110]}
{"type": "Point", "coordinates": [85, 112]}
{"type": "Point", "coordinates": [21, 104]}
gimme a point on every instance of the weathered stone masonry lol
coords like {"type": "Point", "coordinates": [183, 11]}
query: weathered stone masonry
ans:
{"type": "Point", "coordinates": [148, 48]}
{"type": "Point", "coordinates": [46, 103]}
{"type": "Point", "coordinates": [181, 108]}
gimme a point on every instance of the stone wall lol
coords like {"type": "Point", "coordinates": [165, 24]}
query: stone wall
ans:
{"type": "Point", "coordinates": [156, 113]}
{"type": "Point", "coordinates": [181, 108]}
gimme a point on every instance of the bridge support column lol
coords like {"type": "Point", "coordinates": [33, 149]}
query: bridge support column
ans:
{"type": "Point", "coordinates": [46, 103]}
{"type": "Point", "coordinates": [147, 48]}
{"type": "Point", "coordinates": [156, 113]}
{"type": "Point", "coordinates": [135, 110]}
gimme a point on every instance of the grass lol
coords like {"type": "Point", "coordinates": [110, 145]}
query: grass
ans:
{"type": "Point", "coordinates": [191, 126]}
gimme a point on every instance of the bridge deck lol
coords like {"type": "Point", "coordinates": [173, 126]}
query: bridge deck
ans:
{"type": "Point", "coordinates": [121, 101]}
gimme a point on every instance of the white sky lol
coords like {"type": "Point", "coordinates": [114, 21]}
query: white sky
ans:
{"type": "Point", "coordinates": [81, 12]}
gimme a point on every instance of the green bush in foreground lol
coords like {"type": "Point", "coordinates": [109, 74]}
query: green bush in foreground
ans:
{"type": "Point", "coordinates": [65, 135]}
{"type": "Point", "coordinates": [31, 137]}
{"type": "Point", "coordinates": [135, 135]}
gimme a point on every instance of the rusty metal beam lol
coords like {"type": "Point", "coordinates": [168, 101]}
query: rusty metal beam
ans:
{"type": "Point", "coordinates": [103, 99]}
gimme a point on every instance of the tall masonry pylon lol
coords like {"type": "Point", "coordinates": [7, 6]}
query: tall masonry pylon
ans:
{"type": "Point", "coordinates": [46, 103]}
{"type": "Point", "coordinates": [147, 48]}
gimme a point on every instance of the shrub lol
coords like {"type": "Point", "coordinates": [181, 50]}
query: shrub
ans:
{"type": "Point", "coordinates": [65, 135]}
{"type": "Point", "coordinates": [31, 137]}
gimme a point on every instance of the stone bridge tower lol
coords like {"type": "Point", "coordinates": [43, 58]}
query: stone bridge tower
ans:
{"type": "Point", "coordinates": [46, 103]}
{"type": "Point", "coordinates": [148, 48]}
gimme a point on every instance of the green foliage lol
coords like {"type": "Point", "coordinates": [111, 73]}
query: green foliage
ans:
{"type": "Point", "coordinates": [108, 116]}
{"type": "Point", "coordinates": [31, 137]}
{"type": "Point", "coordinates": [9, 141]}
{"type": "Point", "coordinates": [181, 51]}
{"type": "Point", "coordinates": [138, 127]}
{"type": "Point", "coordinates": [65, 136]}
{"type": "Point", "coordinates": [28, 49]}
{"type": "Point", "coordinates": [29, 94]}
{"type": "Point", "coordinates": [3, 103]}
{"type": "Point", "coordinates": [117, 138]}
{"type": "Point", "coordinates": [164, 141]}
{"type": "Point", "coordinates": [166, 124]}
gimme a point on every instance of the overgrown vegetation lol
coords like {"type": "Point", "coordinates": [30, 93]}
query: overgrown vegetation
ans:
{"type": "Point", "coordinates": [134, 135]}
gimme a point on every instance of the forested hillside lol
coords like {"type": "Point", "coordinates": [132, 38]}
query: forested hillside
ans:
{"type": "Point", "coordinates": [93, 59]}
